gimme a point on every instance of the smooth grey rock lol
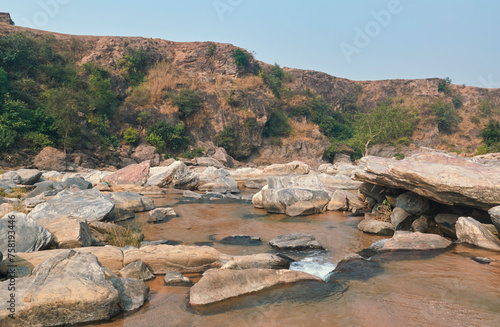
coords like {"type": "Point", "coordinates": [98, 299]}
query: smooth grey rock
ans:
{"type": "Point", "coordinates": [376, 227]}
{"type": "Point", "coordinates": [177, 175]}
{"type": "Point", "coordinates": [296, 242]}
{"type": "Point", "coordinates": [471, 231]}
{"type": "Point", "coordinates": [131, 201]}
{"type": "Point", "coordinates": [174, 278]}
{"type": "Point", "coordinates": [495, 217]}
{"type": "Point", "coordinates": [133, 292]}
{"type": "Point", "coordinates": [295, 168]}
{"type": "Point", "coordinates": [300, 181]}
{"type": "Point", "coordinates": [60, 292]}
{"type": "Point", "coordinates": [262, 260]}
{"type": "Point", "coordinates": [76, 182]}
{"type": "Point", "coordinates": [339, 181]}
{"type": "Point", "coordinates": [191, 194]}
{"type": "Point", "coordinates": [208, 162]}
{"type": "Point", "coordinates": [338, 201]}
{"type": "Point", "coordinates": [412, 203]}
{"type": "Point", "coordinates": [406, 241]}
{"type": "Point", "coordinates": [137, 270]}
{"type": "Point", "coordinates": [46, 188]}
{"type": "Point", "coordinates": [253, 185]}
{"type": "Point", "coordinates": [70, 233]}
{"type": "Point", "coordinates": [160, 214]}
{"type": "Point", "coordinates": [87, 204]}
{"type": "Point", "coordinates": [29, 176]}
{"type": "Point", "coordinates": [29, 236]}
{"type": "Point", "coordinates": [10, 177]}
{"type": "Point", "coordinates": [222, 184]}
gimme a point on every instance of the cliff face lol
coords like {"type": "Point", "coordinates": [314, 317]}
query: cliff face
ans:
{"type": "Point", "coordinates": [211, 69]}
{"type": "Point", "coordinates": [5, 18]}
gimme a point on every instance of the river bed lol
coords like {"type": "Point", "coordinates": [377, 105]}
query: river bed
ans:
{"type": "Point", "coordinates": [398, 289]}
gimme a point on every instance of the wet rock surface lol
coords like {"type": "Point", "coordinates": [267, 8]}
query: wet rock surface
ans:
{"type": "Point", "coordinates": [296, 242]}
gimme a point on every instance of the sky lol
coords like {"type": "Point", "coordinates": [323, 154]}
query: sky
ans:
{"type": "Point", "coordinates": [358, 40]}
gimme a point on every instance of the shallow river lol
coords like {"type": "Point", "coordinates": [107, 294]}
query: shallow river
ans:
{"type": "Point", "coordinates": [407, 289]}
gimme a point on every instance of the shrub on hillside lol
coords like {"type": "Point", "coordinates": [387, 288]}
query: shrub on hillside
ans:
{"type": "Point", "coordinates": [446, 115]}
{"type": "Point", "coordinates": [241, 58]}
{"type": "Point", "coordinates": [166, 137]}
{"type": "Point", "coordinates": [188, 101]}
{"type": "Point", "coordinates": [131, 136]}
{"type": "Point", "coordinates": [491, 136]}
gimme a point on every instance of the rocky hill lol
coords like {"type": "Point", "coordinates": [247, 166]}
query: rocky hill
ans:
{"type": "Point", "coordinates": [235, 98]}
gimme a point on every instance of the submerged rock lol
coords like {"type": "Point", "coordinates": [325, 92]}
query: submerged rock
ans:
{"type": "Point", "coordinates": [173, 278]}
{"type": "Point", "coordinates": [244, 240]}
{"type": "Point", "coordinates": [224, 284]}
{"type": "Point", "coordinates": [471, 231]}
{"type": "Point", "coordinates": [296, 242]}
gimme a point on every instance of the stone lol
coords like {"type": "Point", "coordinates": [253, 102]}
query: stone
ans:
{"type": "Point", "coordinates": [441, 177]}
{"type": "Point", "coordinates": [221, 155]}
{"type": "Point", "coordinates": [244, 240]}
{"type": "Point", "coordinates": [257, 200]}
{"type": "Point", "coordinates": [339, 181]}
{"type": "Point", "coordinates": [376, 227]}
{"type": "Point", "coordinates": [295, 201]}
{"type": "Point", "coordinates": [133, 292]}
{"type": "Point", "coordinates": [160, 214]}
{"type": "Point", "coordinates": [25, 262]}
{"type": "Point", "coordinates": [338, 202]}
{"type": "Point", "coordinates": [109, 256]}
{"type": "Point", "coordinates": [135, 174]}
{"type": "Point", "coordinates": [50, 159]}
{"type": "Point", "coordinates": [296, 167]}
{"type": "Point", "coordinates": [159, 242]}
{"type": "Point", "coordinates": [405, 241]}
{"type": "Point", "coordinates": [29, 176]}
{"type": "Point", "coordinates": [220, 185]}
{"type": "Point", "coordinates": [301, 181]}
{"type": "Point", "coordinates": [214, 173]}
{"type": "Point", "coordinates": [148, 153]}
{"type": "Point", "coordinates": [11, 178]}
{"type": "Point", "coordinates": [29, 237]}
{"type": "Point", "coordinates": [60, 292]}
{"type": "Point", "coordinates": [399, 218]}
{"type": "Point", "coordinates": [184, 259]}
{"type": "Point", "coordinates": [446, 224]}
{"type": "Point", "coordinates": [87, 205]}
{"type": "Point", "coordinates": [296, 242]}
{"type": "Point", "coordinates": [77, 182]}
{"type": "Point", "coordinates": [412, 203]}
{"type": "Point", "coordinates": [177, 175]}
{"type": "Point", "coordinates": [495, 217]}
{"type": "Point", "coordinates": [421, 225]}
{"type": "Point", "coordinates": [252, 185]}
{"type": "Point", "coordinates": [224, 284]}
{"type": "Point", "coordinates": [174, 278]}
{"type": "Point", "coordinates": [131, 201]}
{"type": "Point", "coordinates": [101, 231]}
{"type": "Point", "coordinates": [46, 188]}
{"type": "Point", "coordinates": [208, 162]}
{"type": "Point", "coordinates": [471, 231]}
{"type": "Point", "coordinates": [262, 260]}
{"type": "Point", "coordinates": [70, 233]}
{"type": "Point", "coordinates": [373, 191]}
{"type": "Point", "coordinates": [137, 270]}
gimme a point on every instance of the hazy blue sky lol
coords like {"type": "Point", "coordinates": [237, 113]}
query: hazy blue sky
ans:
{"type": "Point", "coordinates": [360, 40]}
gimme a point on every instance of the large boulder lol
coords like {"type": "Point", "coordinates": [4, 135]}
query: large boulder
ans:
{"type": "Point", "coordinates": [161, 214]}
{"type": "Point", "coordinates": [22, 234]}
{"type": "Point", "coordinates": [339, 181]}
{"type": "Point", "coordinates": [441, 177]}
{"type": "Point", "coordinates": [412, 203]}
{"type": "Point", "coordinates": [413, 242]}
{"type": "Point", "coordinates": [70, 233]}
{"type": "Point", "coordinates": [296, 167]}
{"type": "Point", "coordinates": [184, 259]}
{"type": "Point", "coordinates": [208, 162]}
{"type": "Point", "coordinates": [214, 173]}
{"type": "Point", "coordinates": [11, 177]}
{"type": "Point", "coordinates": [471, 231]}
{"type": "Point", "coordinates": [50, 159]}
{"type": "Point", "coordinates": [177, 175]}
{"type": "Point", "coordinates": [305, 181]}
{"type": "Point", "coordinates": [295, 201]}
{"type": "Point", "coordinates": [29, 176]}
{"type": "Point", "coordinates": [296, 242]}
{"type": "Point", "coordinates": [131, 175]}
{"type": "Point", "coordinates": [495, 217]}
{"type": "Point", "coordinates": [87, 205]}
{"type": "Point", "coordinates": [60, 292]}
{"type": "Point", "coordinates": [339, 201]}
{"type": "Point", "coordinates": [46, 188]}
{"type": "Point", "coordinates": [262, 260]}
{"type": "Point", "coordinates": [224, 284]}
{"type": "Point", "coordinates": [131, 201]}
{"type": "Point", "coordinates": [145, 152]}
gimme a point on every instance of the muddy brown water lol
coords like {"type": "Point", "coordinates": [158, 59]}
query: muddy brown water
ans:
{"type": "Point", "coordinates": [407, 289]}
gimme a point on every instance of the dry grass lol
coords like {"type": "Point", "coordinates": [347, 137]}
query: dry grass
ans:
{"type": "Point", "coordinates": [17, 193]}
{"type": "Point", "coordinates": [248, 83]}
{"type": "Point", "coordinates": [130, 235]}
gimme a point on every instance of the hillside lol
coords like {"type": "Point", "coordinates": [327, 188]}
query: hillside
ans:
{"type": "Point", "coordinates": [258, 112]}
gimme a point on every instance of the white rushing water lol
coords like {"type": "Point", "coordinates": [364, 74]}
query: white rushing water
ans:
{"type": "Point", "coordinates": [319, 266]}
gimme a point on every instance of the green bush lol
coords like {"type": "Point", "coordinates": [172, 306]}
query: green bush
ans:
{"type": "Point", "coordinates": [188, 101]}
{"type": "Point", "coordinates": [457, 101]}
{"type": "Point", "coordinates": [37, 140]}
{"type": "Point", "coordinates": [226, 139]}
{"type": "Point", "coordinates": [131, 136]}
{"type": "Point", "coordinates": [399, 156]}
{"type": "Point", "coordinates": [140, 96]}
{"type": "Point", "coordinates": [491, 136]}
{"type": "Point", "coordinates": [277, 125]}
{"type": "Point", "coordinates": [444, 86]}
{"type": "Point", "coordinates": [475, 120]}
{"type": "Point", "coordinates": [195, 153]}
{"type": "Point", "coordinates": [486, 107]}
{"type": "Point", "coordinates": [241, 58]}
{"type": "Point", "coordinates": [211, 50]}
{"type": "Point", "coordinates": [135, 64]}
{"type": "Point", "coordinates": [231, 99]}
{"type": "Point", "coordinates": [447, 116]}
{"type": "Point", "coordinates": [166, 137]}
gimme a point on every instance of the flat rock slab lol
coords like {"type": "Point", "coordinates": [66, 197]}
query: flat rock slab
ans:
{"type": "Point", "coordinates": [441, 177]}
{"type": "Point", "coordinates": [296, 242]}
{"type": "Point", "coordinates": [471, 231]}
{"type": "Point", "coordinates": [29, 176]}
{"type": "Point", "coordinates": [294, 201]}
{"type": "Point", "coordinates": [87, 205]}
{"type": "Point", "coordinates": [184, 259]}
{"type": "Point", "coordinates": [262, 260]}
{"type": "Point", "coordinates": [131, 201]}
{"type": "Point", "coordinates": [70, 233]}
{"type": "Point", "coordinates": [414, 242]}
{"type": "Point", "coordinates": [296, 167]}
{"type": "Point", "coordinates": [377, 227]}
{"type": "Point", "coordinates": [224, 284]}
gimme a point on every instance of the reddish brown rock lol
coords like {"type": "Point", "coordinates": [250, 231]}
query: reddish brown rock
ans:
{"type": "Point", "coordinates": [50, 159]}
{"type": "Point", "coordinates": [131, 175]}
